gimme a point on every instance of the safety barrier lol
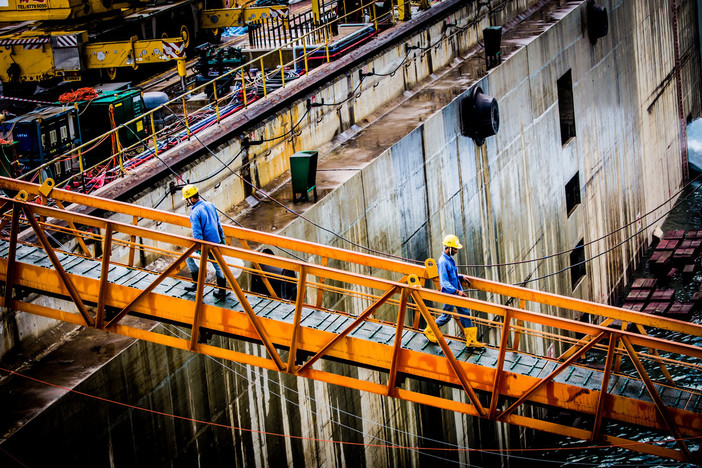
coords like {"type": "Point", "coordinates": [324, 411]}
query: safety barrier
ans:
{"type": "Point", "coordinates": [243, 94]}
{"type": "Point", "coordinates": [600, 372]}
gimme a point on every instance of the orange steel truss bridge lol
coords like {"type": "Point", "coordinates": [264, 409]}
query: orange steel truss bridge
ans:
{"type": "Point", "coordinates": [358, 310]}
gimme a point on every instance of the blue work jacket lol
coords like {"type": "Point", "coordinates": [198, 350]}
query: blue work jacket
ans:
{"type": "Point", "coordinates": [448, 275]}
{"type": "Point", "coordinates": [205, 222]}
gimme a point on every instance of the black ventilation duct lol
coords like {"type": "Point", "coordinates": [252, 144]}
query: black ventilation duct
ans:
{"type": "Point", "coordinates": [597, 21]}
{"type": "Point", "coordinates": [480, 116]}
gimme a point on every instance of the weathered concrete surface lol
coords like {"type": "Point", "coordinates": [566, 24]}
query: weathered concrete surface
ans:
{"type": "Point", "coordinates": [506, 201]}
{"type": "Point", "coordinates": [267, 164]}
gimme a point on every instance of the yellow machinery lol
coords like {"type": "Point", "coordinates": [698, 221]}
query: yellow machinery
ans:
{"type": "Point", "coordinates": [50, 40]}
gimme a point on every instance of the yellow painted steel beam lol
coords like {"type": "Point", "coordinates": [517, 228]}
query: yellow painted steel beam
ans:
{"type": "Point", "coordinates": [417, 364]}
{"type": "Point", "coordinates": [613, 339]}
{"type": "Point", "coordinates": [79, 239]}
{"type": "Point", "coordinates": [455, 366]}
{"type": "Point", "coordinates": [262, 333]}
{"type": "Point", "coordinates": [299, 302]}
{"type": "Point", "coordinates": [250, 235]}
{"type": "Point", "coordinates": [11, 261]}
{"type": "Point", "coordinates": [354, 350]}
{"type": "Point", "coordinates": [232, 17]}
{"type": "Point", "coordinates": [340, 336]}
{"type": "Point", "coordinates": [391, 359]}
{"type": "Point", "coordinates": [497, 380]}
{"type": "Point", "coordinates": [131, 53]}
{"type": "Point", "coordinates": [358, 384]}
{"type": "Point", "coordinates": [263, 276]}
{"type": "Point", "coordinates": [65, 278]}
{"type": "Point", "coordinates": [397, 347]}
{"type": "Point", "coordinates": [199, 293]}
{"type": "Point", "coordinates": [543, 381]}
{"type": "Point", "coordinates": [568, 431]}
{"type": "Point", "coordinates": [104, 273]}
{"type": "Point", "coordinates": [660, 405]}
{"type": "Point", "coordinates": [569, 303]}
{"type": "Point", "coordinates": [172, 269]}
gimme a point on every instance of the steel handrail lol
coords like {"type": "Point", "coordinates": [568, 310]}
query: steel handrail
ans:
{"type": "Point", "coordinates": [385, 296]}
{"type": "Point", "coordinates": [200, 88]}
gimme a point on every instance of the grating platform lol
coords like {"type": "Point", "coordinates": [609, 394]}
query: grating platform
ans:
{"type": "Point", "coordinates": [515, 362]}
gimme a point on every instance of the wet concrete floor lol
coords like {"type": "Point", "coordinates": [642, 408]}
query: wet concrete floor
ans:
{"type": "Point", "coordinates": [352, 150]}
{"type": "Point", "coordinates": [357, 147]}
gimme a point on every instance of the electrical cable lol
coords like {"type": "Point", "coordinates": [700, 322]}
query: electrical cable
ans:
{"type": "Point", "coordinates": [546, 257]}
{"type": "Point", "coordinates": [341, 442]}
{"type": "Point", "coordinates": [443, 36]}
{"type": "Point", "coordinates": [402, 258]}
{"type": "Point", "coordinates": [317, 404]}
{"type": "Point", "coordinates": [611, 248]}
{"type": "Point", "coordinates": [285, 207]}
{"type": "Point", "coordinates": [353, 95]}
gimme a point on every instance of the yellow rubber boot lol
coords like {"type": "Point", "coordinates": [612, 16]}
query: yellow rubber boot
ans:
{"type": "Point", "coordinates": [430, 335]}
{"type": "Point", "coordinates": [472, 338]}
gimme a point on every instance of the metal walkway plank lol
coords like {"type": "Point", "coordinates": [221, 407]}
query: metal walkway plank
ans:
{"type": "Point", "coordinates": [515, 362]}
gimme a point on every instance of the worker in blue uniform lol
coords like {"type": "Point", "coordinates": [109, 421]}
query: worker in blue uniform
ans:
{"type": "Point", "coordinates": [206, 226]}
{"type": "Point", "coordinates": [450, 282]}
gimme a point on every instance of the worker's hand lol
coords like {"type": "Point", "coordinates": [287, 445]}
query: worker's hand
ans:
{"type": "Point", "coordinates": [462, 294]}
{"type": "Point", "coordinates": [466, 281]}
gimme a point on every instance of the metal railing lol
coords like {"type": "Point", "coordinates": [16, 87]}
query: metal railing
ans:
{"type": "Point", "coordinates": [316, 42]}
{"type": "Point", "coordinates": [636, 353]}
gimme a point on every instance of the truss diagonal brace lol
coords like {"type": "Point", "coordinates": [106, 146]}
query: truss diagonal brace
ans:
{"type": "Point", "coordinates": [173, 266]}
{"type": "Point", "coordinates": [500, 364]}
{"type": "Point", "coordinates": [457, 369]}
{"type": "Point", "coordinates": [660, 405]}
{"type": "Point", "coordinates": [263, 276]}
{"type": "Point", "coordinates": [72, 291]}
{"type": "Point", "coordinates": [72, 225]}
{"type": "Point", "coordinates": [104, 274]}
{"type": "Point", "coordinates": [200, 288]}
{"type": "Point", "coordinates": [299, 301]}
{"type": "Point", "coordinates": [392, 378]}
{"type": "Point", "coordinates": [249, 310]}
{"type": "Point", "coordinates": [552, 375]}
{"type": "Point", "coordinates": [10, 274]}
{"type": "Point", "coordinates": [601, 400]}
{"type": "Point", "coordinates": [361, 318]}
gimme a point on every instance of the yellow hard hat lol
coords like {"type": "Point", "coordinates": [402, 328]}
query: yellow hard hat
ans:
{"type": "Point", "coordinates": [452, 241]}
{"type": "Point", "coordinates": [189, 191]}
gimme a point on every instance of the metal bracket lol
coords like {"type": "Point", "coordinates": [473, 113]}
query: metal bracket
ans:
{"type": "Point", "coordinates": [432, 269]}
{"type": "Point", "coordinates": [413, 281]}
{"type": "Point", "coordinates": [47, 187]}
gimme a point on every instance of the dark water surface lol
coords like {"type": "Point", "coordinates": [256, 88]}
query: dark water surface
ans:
{"type": "Point", "coordinates": [561, 451]}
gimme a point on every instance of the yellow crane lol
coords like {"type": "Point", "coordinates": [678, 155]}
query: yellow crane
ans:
{"type": "Point", "coordinates": [50, 40]}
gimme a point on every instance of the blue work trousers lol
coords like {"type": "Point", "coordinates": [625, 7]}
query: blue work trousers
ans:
{"type": "Point", "coordinates": [465, 316]}
{"type": "Point", "coordinates": [194, 267]}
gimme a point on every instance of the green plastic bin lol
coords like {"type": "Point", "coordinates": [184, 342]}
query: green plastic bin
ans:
{"type": "Point", "coordinates": [303, 171]}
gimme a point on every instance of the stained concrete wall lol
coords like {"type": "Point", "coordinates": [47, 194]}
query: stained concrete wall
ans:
{"type": "Point", "coordinates": [506, 200]}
